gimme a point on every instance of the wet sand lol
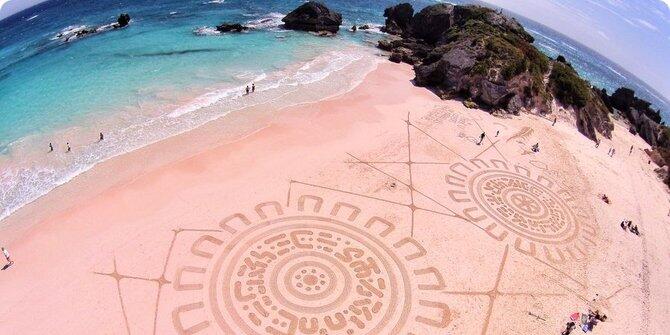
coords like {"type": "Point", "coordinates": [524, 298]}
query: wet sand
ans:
{"type": "Point", "coordinates": [373, 212]}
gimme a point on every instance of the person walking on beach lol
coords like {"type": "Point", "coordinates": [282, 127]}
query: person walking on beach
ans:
{"type": "Point", "coordinates": [553, 124]}
{"type": "Point", "coordinates": [247, 89]}
{"type": "Point", "coordinates": [102, 137]}
{"type": "Point", "coordinates": [51, 147]}
{"type": "Point", "coordinates": [481, 138]}
{"type": "Point", "coordinates": [253, 87]}
{"type": "Point", "coordinates": [497, 133]}
{"type": "Point", "coordinates": [609, 152]}
{"type": "Point", "coordinates": [597, 143]}
{"type": "Point", "coordinates": [5, 252]}
{"type": "Point", "coordinates": [631, 150]}
{"type": "Point", "coordinates": [613, 151]}
{"type": "Point", "coordinates": [68, 147]}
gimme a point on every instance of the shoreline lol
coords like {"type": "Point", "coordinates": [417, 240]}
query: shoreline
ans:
{"type": "Point", "coordinates": [337, 81]}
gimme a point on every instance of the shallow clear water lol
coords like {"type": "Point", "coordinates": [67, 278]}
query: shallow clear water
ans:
{"type": "Point", "coordinates": [166, 73]}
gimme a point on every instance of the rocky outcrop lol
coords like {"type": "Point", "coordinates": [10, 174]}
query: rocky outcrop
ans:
{"type": "Point", "coordinates": [398, 19]}
{"type": "Point", "coordinates": [432, 22]}
{"type": "Point", "coordinates": [313, 16]}
{"type": "Point", "coordinates": [483, 56]}
{"type": "Point", "coordinates": [76, 33]}
{"type": "Point", "coordinates": [470, 52]}
{"type": "Point", "coordinates": [123, 20]}
{"type": "Point", "coordinates": [594, 117]}
{"type": "Point", "coordinates": [643, 120]}
{"type": "Point", "coordinates": [231, 27]}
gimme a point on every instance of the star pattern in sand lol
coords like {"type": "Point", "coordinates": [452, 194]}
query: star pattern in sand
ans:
{"type": "Point", "coordinates": [540, 219]}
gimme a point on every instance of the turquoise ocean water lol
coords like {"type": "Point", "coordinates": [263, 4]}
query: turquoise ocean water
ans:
{"type": "Point", "coordinates": [166, 73]}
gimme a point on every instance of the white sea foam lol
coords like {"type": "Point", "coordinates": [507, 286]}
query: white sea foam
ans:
{"type": "Point", "coordinates": [321, 68]}
{"type": "Point", "coordinates": [68, 32]}
{"type": "Point", "coordinates": [32, 18]}
{"type": "Point", "coordinates": [268, 21]}
{"type": "Point", "coordinates": [542, 35]}
{"type": "Point", "coordinates": [206, 31]}
{"type": "Point", "coordinates": [570, 46]}
{"type": "Point", "coordinates": [374, 28]}
{"type": "Point", "coordinates": [27, 173]}
{"type": "Point", "coordinates": [616, 72]}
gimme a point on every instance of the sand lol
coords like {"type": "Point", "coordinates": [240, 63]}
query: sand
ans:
{"type": "Point", "coordinates": [373, 212]}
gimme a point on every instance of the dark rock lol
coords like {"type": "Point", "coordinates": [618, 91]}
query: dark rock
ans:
{"type": "Point", "coordinates": [396, 57]}
{"type": "Point", "coordinates": [486, 58]}
{"type": "Point", "coordinates": [561, 59]}
{"type": "Point", "coordinates": [493, 94]}
{"type": "Point", "coordinates": [398, 19]}
{"type": "Point", "coordinates": [648, 129]}
{"type": "Point", "coordinates": [231, 27]}
{"type": "Point", "coordinates": [432, 22]}
{"type": "Point", "coordinates": [594, 116]}
{"type": "Point", "coordinates": [365, 27]}
{"type": "Point", "coordinates": [313, 16]}
{"type": "Point", "coordinates": [123, 20]}
{"type": "Point", "coordinates": [624, 99]}
{"type": "Point", "coordinates": [354, 28]}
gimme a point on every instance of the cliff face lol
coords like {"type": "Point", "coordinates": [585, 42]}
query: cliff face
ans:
{"type": "Point", "coordinates": [479, 54]}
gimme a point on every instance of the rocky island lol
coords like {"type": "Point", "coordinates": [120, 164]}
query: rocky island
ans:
{"type": "Point", "coordinates": [70, 35]}
{"type": "Point", "coordinates": [313, 16]}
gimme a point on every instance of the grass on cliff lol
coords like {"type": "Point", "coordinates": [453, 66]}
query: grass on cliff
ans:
{"type": "Point", "coordinates": [505, 50]}
{"type": "Point", "coordinates": [568, 87]}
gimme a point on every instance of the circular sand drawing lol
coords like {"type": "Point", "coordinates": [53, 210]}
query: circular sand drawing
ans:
{"type": "Point", "coordinates": [311, 274]}
{"type": "Point", "coordinates": [542, 218]}
{"type": "Point", "coordinates": [524, 206]}
{"type": "Point", "coordinates": [324, 274]}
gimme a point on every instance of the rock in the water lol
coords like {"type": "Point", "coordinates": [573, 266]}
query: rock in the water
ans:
{"type": "Point", "coordinates": [123, 20]}
{"type": "Point", "coordinates": [364, 27]}
{"type": "Point", "coordinates": [398, 19]}
{"type": "Point", "coordinates": [354, 28]}
{"type": "Point", "coordinates": [313, 16]}
{"type": "Point", "coordinates": [231, 27]}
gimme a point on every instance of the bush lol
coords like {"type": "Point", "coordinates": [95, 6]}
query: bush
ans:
{"type": "Point", "coordinates": [568, 87]}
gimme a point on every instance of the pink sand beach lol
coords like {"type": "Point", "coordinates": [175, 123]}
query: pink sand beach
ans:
{"type": "Point", "coordinates": [370, 212]}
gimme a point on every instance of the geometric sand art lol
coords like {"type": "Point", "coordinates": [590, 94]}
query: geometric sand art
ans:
{"type": "Point", "coordinates": [511, 202]}
{"type": "Point", "coordinates": [328, 271]}
{"type": "Point", "coordinates": [326, 268]}
{"type": "Point", "coordinates": [323, 263]}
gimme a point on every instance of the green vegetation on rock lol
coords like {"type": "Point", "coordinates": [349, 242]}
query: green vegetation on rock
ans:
{"type": "Point", "coordinates": [568, 87]}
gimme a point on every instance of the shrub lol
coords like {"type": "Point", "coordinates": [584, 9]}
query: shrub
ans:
{"type": "Point", "coordinates": [568, 87]}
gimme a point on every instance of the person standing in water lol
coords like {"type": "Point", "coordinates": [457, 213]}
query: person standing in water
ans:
{"type": "Point", "coordinates": [51, 147]}
{"type": "Point", "coordinates": [102, 137]}
{"type": "Point", "coordinates": [253, 87]}
{"type": "Point", "coordinates": [68, 147]}
{"type": "Point", "coordinates": [247, 89]}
